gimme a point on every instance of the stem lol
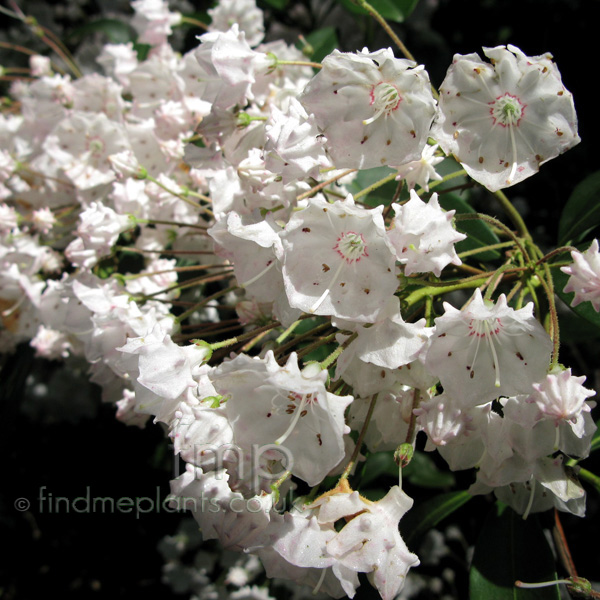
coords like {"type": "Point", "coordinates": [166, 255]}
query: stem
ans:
{"type": "Point", "coordinates": [410, 434]}
{"type": "Point", "coordinates": [318, 329]}
{"type": "Point", "coordinates": [174, 223]}
{"type": "Point", "coordinates": [192, 21]}
{"type": "Point", "coordinates": [183, 316]}
{"type": "Point", "coordinates": [375, 185]}
{"type": "Point", "coordinates": [485, 249]}
{"type": "Point", "coordinates": [324, 184]}
{"type": "Point", "coordinates": [590, 478]}
{"type": "Point", "coordinates": [336, 353]}
{"type": "Point", "coordinates": [359, 441]}
{"type": "Point", "coordinates": [555, 252]}
{"type": "Point", "coordinates": [173, 270]}
{"type": "Point", "coordinates": [513, 214]}
{"type": "Point", "coordinates": [470, 283]}
{"type": "Point", "coordinates": [300, 63]}
{"type": "Point", "coordinates": [244, 336]}
{"type": "Point", "coordinates": [495, 280]}
{"type": "Point", "coordinates": [500, 225]}
{"type": "Point", "coordinates": [448, 177]}
{"type": "Point", "coordinates": [173, 193]}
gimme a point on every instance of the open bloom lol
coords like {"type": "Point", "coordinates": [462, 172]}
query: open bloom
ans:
{"type": "Point", "coordinates": [503, 120]}
{"type": "Point", "coordinates": [337, 260]}
{"type": "Point", "coordinates": [373, 108]}
{"type": "Point", "coordinates": [486, 351]}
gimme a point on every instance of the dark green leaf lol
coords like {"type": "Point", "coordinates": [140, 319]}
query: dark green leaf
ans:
{"type": "Point", "coordinates": [478, 232]}
{"type": "Point", "coordinates": [582, 211]}
{"type": "Point", "coordinates": [377, 465]}
{"type": "Point", "coordinates": [381, 195]}
{"type": "Point", "coordinates": [422, 471]}
{"type": "Point", "coordinates": [277, 4]}
{"type": "Point", "coordinates": [392, 10]}
{"type": "Point", "coordinates": [422, 517]}
{"type": "Point", "coordinates": [585, 310]}
{"type": "Point", "coordinates": [323, 42]}
{"type": "Point", "coordinates": [510, 549]}
{"type": "Point", "coordinates": [116, 31]}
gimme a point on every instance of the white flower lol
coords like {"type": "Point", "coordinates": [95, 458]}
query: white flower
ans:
{"type": "Point", "coordinates": [584, 277]}
{"type": "Point", "coordinates": [561, 398]}
{"type": "Point", "coordinates": [373, 108]}
{"type": "Point", "coordinates": [243, 12]}
{"type": "Point", "coordinates": [503, 120]}
{"type": "Point", "coordinates": [269, 404]}
{"type": "Point", "coordinates": [337, 260]}
{"type": "Point", "coordinates": [486, 351]}
{"type": "Point", "coordinates": [423, 237]}
{"type": "Point", "coordinates": [421, 171]}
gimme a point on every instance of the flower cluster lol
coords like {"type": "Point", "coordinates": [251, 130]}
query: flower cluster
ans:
{"type": "Point", "coordinates": [149, 211]}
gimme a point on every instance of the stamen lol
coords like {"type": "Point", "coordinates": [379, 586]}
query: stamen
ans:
{"type": "Point", "coordinates": [293, 423]}
{"type": "Point", "coordinates": [385, 98]}
{"type": "Point", "coordinates": [530, 503]}
{"type": "Point", "coordinates": [319, 583]}
{"type": "Point", "coordinates": [257, 277]}
{"type": "Point", "coordinates": [324, 295]}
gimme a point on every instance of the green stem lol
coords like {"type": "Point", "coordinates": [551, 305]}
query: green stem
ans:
{"type": "Point", "coordinates": [500, 225]}
{"type": "Point", "coordinates": [513, 214]}
{"type": "Point", "coordinates": [336, 353]}
{"type": "Point", "coordinates": [495, 280]}
{"type": "Point", "coordinates": [359, 441]}
{"type": "Point", "coordinates": [299, 63]}
{"type": "Point", "coordinates": [590, 478]}
{"type": "Point", "coordinates": [174, 193]}
{"type": "Point", "coordinates": [448, 177]}
{"type": "Point", "coordinates": [375, 185]}
{"type": "Point", "coordinates": [245, 336]}
{"type": "Point", "coordinates": [423, 292]}
{"type": "Point", "coordinates": [485, 249]}
{"type": "Point", "coordinates": [556, 252]}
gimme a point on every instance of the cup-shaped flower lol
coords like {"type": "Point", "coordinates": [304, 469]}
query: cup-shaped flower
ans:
{"type": "Point", "coordinates": [337, 260]}
{"type": "Point", "coordinates": [373, 108]}
{"type": "Point", "coordinates": [272, 406]}
{"type": "Point", "coordinates": [488, 350]}
{"type": "Point", "coordinates": [423, 237]}
{"type": "Point", "coordinates": [505, 119]}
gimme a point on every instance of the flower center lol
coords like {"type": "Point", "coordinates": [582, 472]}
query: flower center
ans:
{"type": "Point", "coordinates": [351, 246]}
{"type": "Point", "coordinates": [486, 329]}
{"type": "Point", "coordinates": [96, 146]}
{"type": "Point", "coordinates": [507, 110]}
{"type": "Point", "coordinates": [385, 98]}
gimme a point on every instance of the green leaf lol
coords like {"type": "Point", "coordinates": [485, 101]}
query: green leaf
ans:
{"type": "Point", "coordinates": [479, 233]}
{"type": "Point", "coordinates": [116, 31]}
{"type": "Point", "coordinates": [392, 10]}
{"type": "Point", "coordinates": [510, 549]}
{"type": "Point", "coordinates": [323, 42]}
{"type": "Point", "coordinates": [277, 4]}
{"type": "Point", "coordinates": [376, 466]}
{"type": "Point", "coordinates": [582, 211]}
{"type": "Point", "coordinates": [425, 515]}
{"type": "Point", "coordinates": [423, 472]}
{"type": "Point", "coordinates": [585, 310]}
{"type": "Point", "coordinates": [365, 178]}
